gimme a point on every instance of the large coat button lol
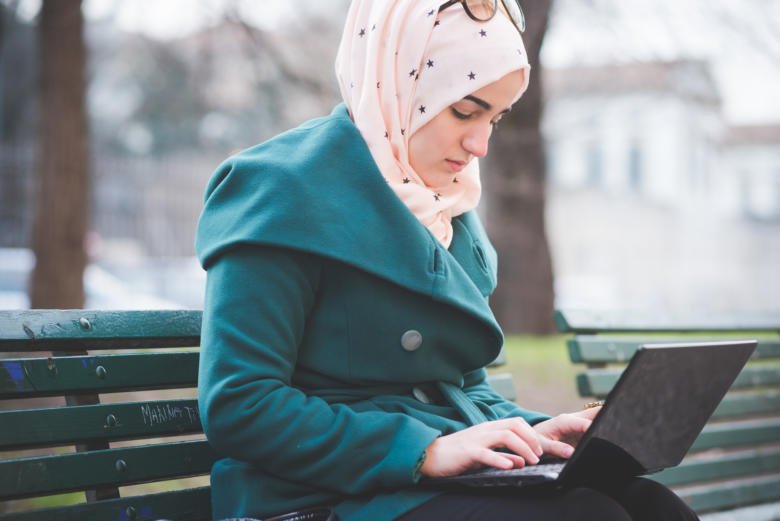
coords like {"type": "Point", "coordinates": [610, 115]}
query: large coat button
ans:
{"type": "Point", "coordinates": [411, 340]}
{"type": "Point", "coordinates": [421, 395]}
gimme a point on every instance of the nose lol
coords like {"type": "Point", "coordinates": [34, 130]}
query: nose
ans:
{"type": "Point", "coordinates": [475, 142]}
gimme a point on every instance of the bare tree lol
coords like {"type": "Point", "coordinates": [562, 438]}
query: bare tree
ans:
{"type": "Point", "coordinates": [514, 184]}
{"type": "Point", "coordinates": [62, 201]}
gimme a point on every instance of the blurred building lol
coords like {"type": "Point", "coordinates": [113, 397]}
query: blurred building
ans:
{"type": "Point", "coordinates": [653, 199]}
{"type": "Point", "coordinates": [751, 166]}
{"type": "Point", "coordinates": [656, 130]}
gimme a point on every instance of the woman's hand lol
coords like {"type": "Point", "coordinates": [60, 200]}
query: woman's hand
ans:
{"type": "Point", "coordinates": [561, 434]}
{"type": "Point", "coordinates": [473, 447]}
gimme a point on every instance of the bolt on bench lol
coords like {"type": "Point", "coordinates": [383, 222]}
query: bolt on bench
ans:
{"type": "Point", "coordinates": [90, 446]}
{"type": "Point", "coordinates": [735, 462]}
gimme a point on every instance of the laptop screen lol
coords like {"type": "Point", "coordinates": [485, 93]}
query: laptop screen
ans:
{"type": "Point", "coordinates": [663, 399]}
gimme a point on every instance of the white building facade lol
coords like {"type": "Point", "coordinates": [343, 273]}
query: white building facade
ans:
{"type": "Point", "coordinates": [653, 200]}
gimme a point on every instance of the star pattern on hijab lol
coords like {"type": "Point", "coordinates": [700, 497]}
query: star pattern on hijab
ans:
{"type": "Point", "coordinates": [445, 67]}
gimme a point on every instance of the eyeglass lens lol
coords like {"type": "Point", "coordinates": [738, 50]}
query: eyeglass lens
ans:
{"type": "Point", "coordinates": [481, 9]}
{"type": "Point", "coordinates": [515, 13]}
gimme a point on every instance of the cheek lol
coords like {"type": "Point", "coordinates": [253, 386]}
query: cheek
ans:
{"type": "Point", "coordinates": [418, 150]}
{"type": "Point", "coordinates": [426, 147]}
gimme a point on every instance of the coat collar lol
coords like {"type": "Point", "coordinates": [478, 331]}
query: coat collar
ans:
{"type": "Point", "coordinates": [316, 188]}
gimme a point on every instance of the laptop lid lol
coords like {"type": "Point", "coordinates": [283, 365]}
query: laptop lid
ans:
{"type": "Point", "coordinates": [656, 410]}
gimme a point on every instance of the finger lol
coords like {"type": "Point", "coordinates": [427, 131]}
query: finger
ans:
{"type": "Point", "coordinates": [529, 435]}
{"type": "Point", "coordinates": [589, 413]}
{"type": "Point", "coordinates": [557, 448]}
{"type": "Point", "coordinates": [563, 425]}
{"type": "Point", "coordinates": [509, 439]}
{"type": "Point", "coordinates": [575, 424]}
{"type": "Point", "coordinates": [517, 461]}
{"type": "Point", "coordinates": [499, 460]}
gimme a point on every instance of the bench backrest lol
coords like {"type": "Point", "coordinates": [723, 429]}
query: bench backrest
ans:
{"type": "Point", "coordinates": [108, 435]}
{"type": "Point", "coordinates": [736, 459]}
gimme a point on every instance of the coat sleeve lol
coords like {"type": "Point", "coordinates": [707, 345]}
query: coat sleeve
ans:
{"type": "Point", "coordinates": [257, 302]}
{"type": "Point", "coordinates": [494, 405]}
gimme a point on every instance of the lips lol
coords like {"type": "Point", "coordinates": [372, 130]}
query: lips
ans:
{"type": "Point", "coordinates": [456, 166]}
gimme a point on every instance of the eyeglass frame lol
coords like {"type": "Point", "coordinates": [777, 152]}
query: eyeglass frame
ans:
{"type": "Point", "coordinates": [519, 24]}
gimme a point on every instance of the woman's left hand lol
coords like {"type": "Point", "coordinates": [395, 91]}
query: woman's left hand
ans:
{"type": "Point", "coordinates": [559, 435]}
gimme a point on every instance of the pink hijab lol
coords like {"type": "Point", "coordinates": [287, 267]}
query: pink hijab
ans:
{"type": "Point", "coordinates": [399, 64]}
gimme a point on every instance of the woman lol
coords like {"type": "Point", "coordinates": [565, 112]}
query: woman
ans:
{"type": "Point", "coordinates": [346, 326]}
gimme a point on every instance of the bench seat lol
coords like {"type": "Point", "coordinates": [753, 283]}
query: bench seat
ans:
{"type": "Point", "coordinates": [108, 436]}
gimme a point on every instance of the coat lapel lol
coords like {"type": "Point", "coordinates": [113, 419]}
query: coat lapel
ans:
{"type": "Point", "coordinates": [316, 188]}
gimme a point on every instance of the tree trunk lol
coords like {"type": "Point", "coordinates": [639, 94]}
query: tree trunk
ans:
{"type": "Point", "coordinates": [514, 189]}
{"type": "Point", "coordinates": [61, 213]}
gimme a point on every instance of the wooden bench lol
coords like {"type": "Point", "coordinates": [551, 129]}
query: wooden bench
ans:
{"type": "Point", "coordinates": [735, 461]}
{"type": "Point", "coordinates": [109, 435]}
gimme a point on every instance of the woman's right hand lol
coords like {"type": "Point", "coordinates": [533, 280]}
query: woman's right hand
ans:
{"type": "Point", "coordinates": [473, 447]}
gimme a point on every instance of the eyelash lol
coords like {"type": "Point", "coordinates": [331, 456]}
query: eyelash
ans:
{"type": "Point", "coordinates": [459, 115]}
{"type": "Point", "coordinates": [466, 117]}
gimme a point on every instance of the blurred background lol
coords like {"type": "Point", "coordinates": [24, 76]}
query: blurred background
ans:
{"type": "Point", "coordinates": [640, 171]}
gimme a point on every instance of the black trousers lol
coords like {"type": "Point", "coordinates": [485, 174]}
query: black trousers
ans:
{"type": "Point", "coordinates": [637, 499]}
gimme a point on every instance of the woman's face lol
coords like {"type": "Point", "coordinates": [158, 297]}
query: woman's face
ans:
{"type": "Point", "coordinates": [446, 144]}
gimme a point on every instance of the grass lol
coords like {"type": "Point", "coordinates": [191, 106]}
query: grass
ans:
{"type": "Point", "coordinates": [543, 375]}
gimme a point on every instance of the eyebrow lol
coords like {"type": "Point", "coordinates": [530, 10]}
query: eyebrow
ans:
{"type": "Point", "coordinates": [482, 103]}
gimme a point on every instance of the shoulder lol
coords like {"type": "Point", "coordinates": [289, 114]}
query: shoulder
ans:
{"type": "Point", "coordinates": [300, 189]}
{"type": "Point", "coordinates": [299, 155]}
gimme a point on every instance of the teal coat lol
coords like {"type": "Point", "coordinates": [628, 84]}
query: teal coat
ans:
{"type": "Point", "coordinates": [316, 270]}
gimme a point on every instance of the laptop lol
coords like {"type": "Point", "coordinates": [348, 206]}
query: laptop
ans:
{"type": "Point", "coordinates": [650, 419]}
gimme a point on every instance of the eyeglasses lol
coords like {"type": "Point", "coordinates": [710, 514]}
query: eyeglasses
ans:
{"type": "Point", "coordinates": [484, 10]}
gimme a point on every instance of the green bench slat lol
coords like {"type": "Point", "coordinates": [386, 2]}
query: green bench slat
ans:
{"type": "Point", "coordinates": [181, 505]}
{"type": "Point", "coordinates": [739, 433]}
{"type": "Point", "coordinates": [63, 330]}
{"type": "Point", "coordinates": [585, 321]}
{"type": "Point", "coordinates": [722, 466]}
{"type": "Point", "coordinates": [736, 404]}
{"type": "Point", "coordinates": [604, 350]}
{"type": "Point", "coordinates": [82, 374]}
{"type": "Point", "coordinates": [598, 382]}
{"type": "Point", "coordinates": [86, 423]}
{"type": "Point", "coordinates": [731, 494]}
{"type": "Point", "coordinates": [741, 404]}
{"type": "Point", "coordinates": [709, 479]}
{"type": "Point", "coordinates": [85, 470]}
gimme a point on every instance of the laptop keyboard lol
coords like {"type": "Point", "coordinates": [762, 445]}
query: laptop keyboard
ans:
{"type": "Point", "coordinates": [546, 469]}
{"type": "Point", "coordinates": [541, 473]}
